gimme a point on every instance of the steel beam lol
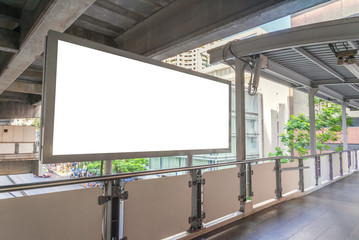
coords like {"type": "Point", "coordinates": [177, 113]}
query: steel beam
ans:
{"type": "Point", "coordinates": [319, 63]}
{"type": "Point", "coordinates": [318, 33]}
{"type": "Point", "coordinates": [184, 25]}
{"type": "Point", "coordinates": [328, 82]}
{"type": "Point", "coordinates": [58, 16]}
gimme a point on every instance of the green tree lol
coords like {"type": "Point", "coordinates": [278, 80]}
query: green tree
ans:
{"type": "Point", "coordinates": [119, 166]}
{"type": "Point", "coordinates": [130, 165]}
{"type": "Point", "coordinates": [328, 117]}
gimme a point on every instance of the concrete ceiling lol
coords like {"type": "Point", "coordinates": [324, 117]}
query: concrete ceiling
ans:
{"type": "Point", "coordinates": [154, 28]}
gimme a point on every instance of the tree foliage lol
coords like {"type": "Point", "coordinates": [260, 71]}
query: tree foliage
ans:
{"type": "Point", "coordinates": [119, 166]}
{"type": "Point", "coordinates": [328, 117]}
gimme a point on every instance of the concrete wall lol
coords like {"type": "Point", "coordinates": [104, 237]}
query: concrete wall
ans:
{"type": "Point", "coordinates": [325, 12]}
{"type": "Point", "coordinates": [16, 167]}
{"type": "Point", "coordinates": [300, 103]}
{"type": "Point", "coordinates": [276, 110]}
{"type": "Point", "coordinates": [11, 110]}
{"type": "Point", "coordinates": [17, 134]}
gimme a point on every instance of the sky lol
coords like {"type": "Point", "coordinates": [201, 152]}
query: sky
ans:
{"type": "Point", "coordinates": [276, 25]}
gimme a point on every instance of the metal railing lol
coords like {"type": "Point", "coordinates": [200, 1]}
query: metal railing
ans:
{"type": "Point", "coordinates": [114, 192]}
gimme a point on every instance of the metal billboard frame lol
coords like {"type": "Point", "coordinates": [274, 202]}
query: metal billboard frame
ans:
{"type": "Point", "coordinates": [48, 104]}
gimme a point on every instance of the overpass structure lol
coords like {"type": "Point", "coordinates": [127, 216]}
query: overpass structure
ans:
{"type": "Point", "coordinates": [154, 28]}
{"type": "Point", "coordinates": [196, 201]}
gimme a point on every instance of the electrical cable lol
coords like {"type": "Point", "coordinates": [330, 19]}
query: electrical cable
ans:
{"type": "Point", "coordinates": [252, 90]}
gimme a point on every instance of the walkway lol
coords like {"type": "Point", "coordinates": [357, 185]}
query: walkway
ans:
{"type": "Point", "coordinates": [331, 213]}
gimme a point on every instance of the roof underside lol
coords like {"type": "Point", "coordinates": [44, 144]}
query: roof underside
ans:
{"type": "Point", "coordinates": [154, 28]}
{"type": "Point", "coordinates": [296, 59]}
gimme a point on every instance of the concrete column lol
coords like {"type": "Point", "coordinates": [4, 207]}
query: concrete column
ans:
{"type": "Point", "coordinates": [344, 126]}
{"type": "Point", "coordinates": [240, 127]}
{"type": "Point", "coordinates": [313, 143]}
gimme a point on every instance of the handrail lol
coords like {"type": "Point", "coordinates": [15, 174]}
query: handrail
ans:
{"type": "Point", "coordinates": [29, 186]}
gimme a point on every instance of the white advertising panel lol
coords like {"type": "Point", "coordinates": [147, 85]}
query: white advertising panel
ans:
{"type": "Point", "coordinates": [103, 103]}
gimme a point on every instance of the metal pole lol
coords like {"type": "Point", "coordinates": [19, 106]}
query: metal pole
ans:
{"type": "Point", "coordinates": [330, 166]}
{"type": "Point", "coordinates": [356, 159]}
{"type": "Point", "coordinates": [189, 160]}
{"type": "Point", "coordinates": [249, 180]}
{"type": "Point", "coordinates": [349, 153]}
{"type": "Point", "coordinates": [312, 130]}
{"type": "Point", "coordinates": [344, 126]}
{"type": "Point", "coordinates": [108, 167]}
{"type": "Point", "coordinates": [301, 174]}
{"type": "Point", "coordinates": [341, 164]}
{"type": "Point", "coordinates": [240, 67]}
{"type": "Point", "coordinates": [108, 212]}
{"type": "Point", "coordinates": [313, 144]}
{"type": "Point", "coordinates": [278, 178]}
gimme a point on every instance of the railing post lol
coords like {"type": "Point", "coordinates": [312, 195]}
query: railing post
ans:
{"type": "Point", "coordinates": [349, 153]}
{"type": "Point", "coordinates": [301, 174]}
{"type": "Point", "coordinates": [278, 178]}
{"type": "Point", "coordinates": [249, 180]}
{"type": "Point", "coordinates": [330, 166]}
{"type": "Point", "coordinates": [316, 171]}
{"type": "Point", "coordinates": [108, 212]}
{"type": "Point", "coordinates": [341, 163]}
{"type": "Point", "coordinates": [197, 216]}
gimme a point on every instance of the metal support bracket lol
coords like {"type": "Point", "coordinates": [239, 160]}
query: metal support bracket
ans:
{"type": "Point", "coordinates": [199, 180]}
{"type": "Point", "coordinates": [116, 193]}
{"type": "Point", "coordinates": [197, 215]}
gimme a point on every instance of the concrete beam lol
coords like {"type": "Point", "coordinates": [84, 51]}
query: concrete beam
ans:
{"type": "Point", "coordinates": [10, 17]}
{"type": "Point", "coordinates": [25, 87]}
{"type": "Point", "coordinates": [14, 97]}
{"type": "Point", "coordinates": [9, 40]}
{"type": "Point", "coordinates": [90, 35]}
{"type": "Point", "coordinates": [10, 110]}
{"type": "Point", "coordinates": [58, 16]}
{"type": "Point", "coordinates": [184, 25]}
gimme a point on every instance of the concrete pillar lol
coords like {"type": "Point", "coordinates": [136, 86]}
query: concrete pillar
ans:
{"type": "Point", "coordinates": [313, 143]}
{"type": "Point", "coordinates": [344, 126]}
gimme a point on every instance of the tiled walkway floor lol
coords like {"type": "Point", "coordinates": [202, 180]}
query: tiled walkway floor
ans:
{"type": "Point", "coordinates": [331, 213]}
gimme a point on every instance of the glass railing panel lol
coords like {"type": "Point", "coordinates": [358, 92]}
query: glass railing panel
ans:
{"type": "Point", "coordinates": [64, 215]}
{"type": "Point", "coordinates": [263, 182]}
{"type": "Point", "coordinates": [309, 173]}
{"type": "Point", "coordinates": [220, 193]}
{"type": "Point", "coordinates": [157, 208]}
{"type": "Point", "coordinates": [290, 178]}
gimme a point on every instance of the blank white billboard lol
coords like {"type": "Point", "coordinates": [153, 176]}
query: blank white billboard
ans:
{"type": "Point", "coordinates": [103, 103]}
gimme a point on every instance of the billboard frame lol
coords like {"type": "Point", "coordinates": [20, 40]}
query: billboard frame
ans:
{"type": "Point", "coordinates": [48, 104]}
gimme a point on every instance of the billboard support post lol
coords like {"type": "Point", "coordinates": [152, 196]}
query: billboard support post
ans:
{"type": "Point", "coordinates": [240, 67]}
